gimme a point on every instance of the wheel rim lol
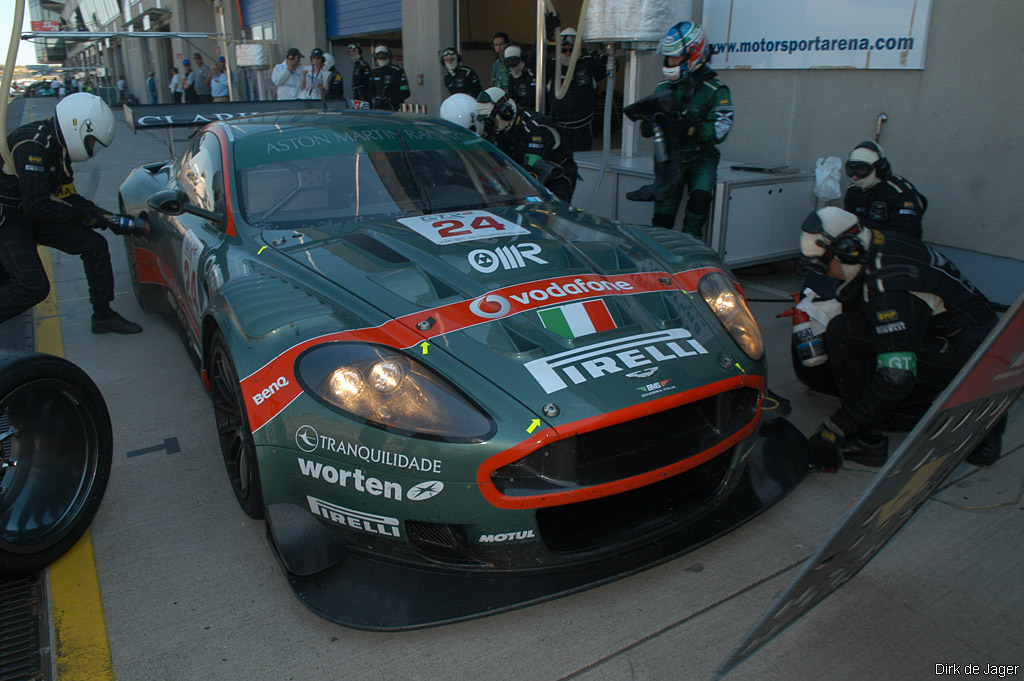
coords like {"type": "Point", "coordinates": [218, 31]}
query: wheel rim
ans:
{"type": "Point", "coordinates": [231, 426]}
{"type": "Point", "coordinates": [50, 456]}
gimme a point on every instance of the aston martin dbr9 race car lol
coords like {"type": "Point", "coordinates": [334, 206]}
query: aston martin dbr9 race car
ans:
{"type": "Point", "coordinates": [448, 392]}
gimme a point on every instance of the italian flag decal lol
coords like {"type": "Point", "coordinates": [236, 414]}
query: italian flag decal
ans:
{"type": "Point", "coordinates": [578, 319]}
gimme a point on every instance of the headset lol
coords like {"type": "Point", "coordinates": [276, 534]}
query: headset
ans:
{"type": "Point", "coordinates": [847, 247]}
{"type": "Point", "coordinates": [504, 107]}
{"type": "Point", "coordinates": [881, 166]}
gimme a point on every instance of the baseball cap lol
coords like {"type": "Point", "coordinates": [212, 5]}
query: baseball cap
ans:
{"type": "Point", "coordinates": [186, 62]}
{"type": "Point", "coordinates": [294, 52]}
{"type": "Point", "coordinates": [316, 52]}
{"type": "Point", "coordinates": [221, 58]}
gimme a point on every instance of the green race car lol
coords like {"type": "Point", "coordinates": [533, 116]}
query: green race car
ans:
{"type": "Point", "coordinates": [448, 392]}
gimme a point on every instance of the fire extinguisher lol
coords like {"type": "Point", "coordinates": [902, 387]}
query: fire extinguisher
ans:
{"type": "Point", "coordinates": [808, 336]}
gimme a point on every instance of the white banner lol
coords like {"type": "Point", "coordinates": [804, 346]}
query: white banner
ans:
{"type": "Point", "coordinates": [817, 34]}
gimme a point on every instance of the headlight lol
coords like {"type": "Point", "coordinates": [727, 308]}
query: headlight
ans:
{"type": "Point", "coordinates": [389, 390]}
{"type": "Point", "coordinates": [732, 311]}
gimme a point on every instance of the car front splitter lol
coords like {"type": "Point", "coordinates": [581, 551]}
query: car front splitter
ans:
{"type": "Point", "coordinates": [366, 592]}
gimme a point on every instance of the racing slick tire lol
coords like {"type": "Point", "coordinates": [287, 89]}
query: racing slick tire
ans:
{"type": "Point", "coordinates": [236, 442]}
{"type": "Point", "coordinates": [56, 448]}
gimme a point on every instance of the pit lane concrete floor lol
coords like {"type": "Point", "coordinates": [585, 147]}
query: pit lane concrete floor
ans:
{"type": "Point", "coordinates": [190, 589]}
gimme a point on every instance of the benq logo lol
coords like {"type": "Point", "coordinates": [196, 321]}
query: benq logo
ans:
{"type": "Point", "coordinates": [267, 392]}
{"type": "Point", "coordinates": [306, 438]}
{"type": "Point", "coordinates": [491, 306]}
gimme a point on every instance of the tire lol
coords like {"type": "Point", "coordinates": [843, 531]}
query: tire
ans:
{"type": "Point", "coordinates": [56, 447]}
{"type": "Point", "coordinates": [233, 430]}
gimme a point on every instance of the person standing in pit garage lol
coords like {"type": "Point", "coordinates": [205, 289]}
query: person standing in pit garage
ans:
{"type": "Point", "coordinates": [459, 78]}
{"type": "Point", "coordinates": [911, 321]}
{"type": "Point", "coordinates": [288, 76]}
{"type": "Point", "coordinates": [40, 206]}
{"type": "Point", "coordinates": [574, 113]}
{"type": "Point", "coordinates": [880, 198]}
{"type": "Point", "coordinates": [522, 84]}
{"type": "Point", "coordinates": [388, 85]}
{"type": "Point", "coordinates": [360, 74]}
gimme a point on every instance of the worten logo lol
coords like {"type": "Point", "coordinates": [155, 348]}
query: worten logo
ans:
{"type": "Point", "coordinates": [610, 357]}
{"type": "Point", "coordinates": [506, 257]}
{"type": "Point", "coordinates": [358, 520]}
{"type": "Point", "coordinates": [367, 484]}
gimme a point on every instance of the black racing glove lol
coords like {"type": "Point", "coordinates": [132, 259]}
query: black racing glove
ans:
{"type": "Point", "coordinates": [551, 22]}
{"type": "Point", "coordinates": [126, 225]}
{"type": "Point", "coordinates": [827, 447]}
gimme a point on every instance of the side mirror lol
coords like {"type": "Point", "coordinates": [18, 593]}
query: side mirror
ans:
{"type": "Point", "coordinates": [175, 202]}
{"type": "Point", "coordinates": [168, 201]}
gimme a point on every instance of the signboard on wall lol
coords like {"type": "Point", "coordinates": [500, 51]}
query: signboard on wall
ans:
{"type": "Point", "coordinates": [823, 34]}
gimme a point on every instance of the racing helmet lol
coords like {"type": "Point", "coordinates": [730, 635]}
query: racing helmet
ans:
{"type": "Point", "coordinates": [834, 233]}
{"type": "Point", "coordinates": [84, 120]}
{"type": "Point", "coordinates": [867, 165]}
{"type": "Point", "coordinates": [689, 41]}
{"type": "Point", "coordinates": [567, 37]}
{"type": "Point", "coordinates": [382, 55]}
{"type": "Point", "coordinates": [330, 63]}
{"type": "Point", "coordinates": [450, 52]}
{"type": "Point", "coordinates": [513, 57]}
{"type": "Point", "coordinates": [493, 105]}
{"type": "Point", "coordinates": [461, 110]}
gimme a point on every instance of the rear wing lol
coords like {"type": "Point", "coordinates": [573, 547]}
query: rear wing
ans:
{"type": "Point", "coordinates": [151, 116]}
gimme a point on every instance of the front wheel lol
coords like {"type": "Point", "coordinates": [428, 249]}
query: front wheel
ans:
{"type": "Point", "coordinates": [56, 448]}
{"type": "Point", "coordinates": [236, 442]}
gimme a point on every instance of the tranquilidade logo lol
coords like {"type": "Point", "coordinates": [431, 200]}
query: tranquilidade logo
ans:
{"type": "Point", "coordinates": [306, 438]}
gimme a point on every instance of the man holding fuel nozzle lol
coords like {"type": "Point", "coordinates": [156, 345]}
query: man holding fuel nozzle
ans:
{"type": "Point", "coordinates": [39, 206]}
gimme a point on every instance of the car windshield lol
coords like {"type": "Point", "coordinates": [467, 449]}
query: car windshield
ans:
{"type": "Point", "coordinates": [316, 178]}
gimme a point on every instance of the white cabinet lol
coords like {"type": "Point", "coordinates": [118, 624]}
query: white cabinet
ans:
{"type": "Point", "coordinates": [756, 216]}
{"type": "Point", "coordinates": [758, 221]}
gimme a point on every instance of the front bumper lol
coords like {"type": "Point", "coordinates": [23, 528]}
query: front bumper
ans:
{"type": "Point", "coordinates": [368, 591]}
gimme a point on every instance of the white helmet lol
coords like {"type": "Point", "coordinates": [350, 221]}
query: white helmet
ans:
{"type": "Point", "coordinates": [384, 50]}
{"type": "Point", "coordinates": [329, 61]}
{"type": "Point", "coordinates": [461, 110]}
{"type": "Point", "coordinates": [83, 117]}
{"type": "Point", "coordinates": [495, 104]}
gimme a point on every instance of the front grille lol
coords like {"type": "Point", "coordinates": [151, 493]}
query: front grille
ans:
{"type": "Point", "coordinates": [630, 448]}
{"type": "Point", "coordinates": [639, 514]}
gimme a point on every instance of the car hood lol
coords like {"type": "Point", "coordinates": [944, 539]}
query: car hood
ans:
{"type": "Point", "coordinates": [539, 300]}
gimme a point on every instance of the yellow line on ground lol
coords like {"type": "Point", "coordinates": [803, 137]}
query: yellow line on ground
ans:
{"type": "Point", "coordinates": [81, 646]}
{"type": "Point", "coordinates": [48, 335]}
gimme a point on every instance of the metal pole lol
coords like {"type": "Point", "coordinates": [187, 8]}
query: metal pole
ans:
{"type": "Point", "coordinates": [219, 8]}
{"type": "Point", "coordinates": [541, 46]}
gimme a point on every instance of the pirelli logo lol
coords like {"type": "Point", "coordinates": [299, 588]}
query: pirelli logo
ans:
{"type": "Point", "coordinates": [555, 372]}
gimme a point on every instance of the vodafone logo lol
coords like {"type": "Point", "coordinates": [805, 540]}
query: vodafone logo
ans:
{"type": "Point", "coordinates": [491, 306]}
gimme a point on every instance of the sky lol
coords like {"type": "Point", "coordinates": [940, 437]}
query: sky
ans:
{"type": "Point", "coordinates": [26, 50]}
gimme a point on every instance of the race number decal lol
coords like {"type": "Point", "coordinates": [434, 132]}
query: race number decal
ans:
{"type": "Point", "coordinates": [469, 225]}
{"type": "Point", "coordinates": [191, 248]}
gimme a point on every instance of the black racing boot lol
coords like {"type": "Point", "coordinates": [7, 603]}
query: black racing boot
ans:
{"type": "Point", "coordinates": [108, 321]}
{"type": "Point", "coordinates": [988, 451]}
{"type": "Point", "coordinates": [666, 181]}
{"type": "Point", "coordinates": [869, 448]}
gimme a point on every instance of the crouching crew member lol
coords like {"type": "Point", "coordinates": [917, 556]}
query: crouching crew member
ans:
{"type": "Point", "coordinates": [911, 321]}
